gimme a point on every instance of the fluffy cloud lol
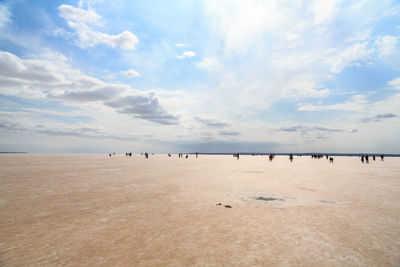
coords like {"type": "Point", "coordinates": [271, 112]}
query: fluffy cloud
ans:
{"type": "Point", "coordinates": [78, 19]}
{"type": "Point", "coordinates": [350, 54]}
{"type": "Point", "coordinates": [58, 80]}
{"type": "Point", "coordinates": [323, 10]}
{"type": "Point", "coordinates": [145, 107]}
{"type": "Point", "coordinates": [303, 86]}
{"type": "Point", "coordinates": [386, 45]}
{"type": "Point", "coordinates": [131, 73]}
{"type": "Point", "coordinates": [207, 63]}
{"type": "Point", "coordinates": [78, 14]}
{"type": "Point", "coordinates": [272, 50]}
{"type": "Point", "coordinates": [186, 54]}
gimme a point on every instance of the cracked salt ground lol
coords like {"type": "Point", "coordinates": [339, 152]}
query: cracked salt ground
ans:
{"type": "Point", "coordinates": [162, 212]}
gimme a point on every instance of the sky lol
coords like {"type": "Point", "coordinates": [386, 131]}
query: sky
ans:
{"type": "Point", "coordinates": [95, 76]}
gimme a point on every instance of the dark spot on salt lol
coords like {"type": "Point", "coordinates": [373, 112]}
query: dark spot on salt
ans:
{"type": "Point", "coordinates": [267, 198]}
{"type": "Point", "coordinates": [228, 206]}
{"type": "Point", "coordinates": [219, 204]}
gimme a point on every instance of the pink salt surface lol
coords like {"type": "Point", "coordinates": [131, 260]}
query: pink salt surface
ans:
{"type": "Point", "coordinates": [92, 210]}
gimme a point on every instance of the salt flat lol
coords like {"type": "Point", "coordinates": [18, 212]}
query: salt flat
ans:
{"type": "Point", "coordinates": [91, 210]}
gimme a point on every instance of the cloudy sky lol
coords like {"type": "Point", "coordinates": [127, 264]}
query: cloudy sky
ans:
{"type": "Point", "coordinates": [202, 75]}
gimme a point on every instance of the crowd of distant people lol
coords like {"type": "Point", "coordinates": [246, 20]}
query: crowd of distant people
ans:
{"type": "Point", "coordinates": [364, 158]}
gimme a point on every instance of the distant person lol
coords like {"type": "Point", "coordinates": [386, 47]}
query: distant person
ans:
{"type": "Point", "coordinates": [146, 155]}
{"type": "Point", "coordinates": [110, 154]}
{"type": "Point", "coordinates": [366, 159]}
{"type": "Point", "coordinates": [362, 159]}
{"type": "Point", "coordinates": [197, 155]}
{"type": "Point", "coordinates": [291, 157]}
{"type": "Point", "coordinates": [187, 156]}
{"type": "Point", "coordinates": [169, 155]}
{"type": "Point", "coordinates": [330, 160]}
{"type": "Point", "coordinates": [382, 157]}
{"type": "Point", "coordinates": [237, 155]}
{"type": "Point", "coordinates": [373, 158]}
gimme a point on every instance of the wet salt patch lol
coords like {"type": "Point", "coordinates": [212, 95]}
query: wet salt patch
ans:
{"type": "Point", "coordinates": [331, 202]}
{"type": "Point", "coordinates": [2, 201]}
{"type": "Point", "coordinates": [104, 219]}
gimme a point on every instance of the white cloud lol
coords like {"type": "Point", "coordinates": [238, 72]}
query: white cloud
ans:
{"type": "Point", "coordinates": [303, 86]}
{"type": "Point", "coordinates": [131, 73]}
{"type": "Point", "coordinates": [186, 54]}
{"type": "Point", "coordinates": [53, 78]}
{"type": "Point", "coordinates": [361, 35]}
{"type": "Point", "coordinates": [207, 63]}
{"type": "Point", "coordinates": [5, 15]}
{"type": "Point", "coordinates": [78, 14]}
{"type": "Point", "coordinates": [349, 55]}
{"type": "Point", "coordinates": [125, 40]}
{"type": "Point", "coordinates": [395, 83]}
{"type": "Point", "coordinates": [387, 45]}
{"type": "Point", "coordinates": [240, 23]}
{"type": "Point", "coordinates": [323, 10]}
{"type": "Point", "coordinates": [179, 45]}
{"type": "Point", "coordinates": [78, 18]}
{"type": "Point", "coordinates": [266, 51]}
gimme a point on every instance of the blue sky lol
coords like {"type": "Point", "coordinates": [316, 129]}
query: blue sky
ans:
{"type": "Point", "coordinates": [207, 76]}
